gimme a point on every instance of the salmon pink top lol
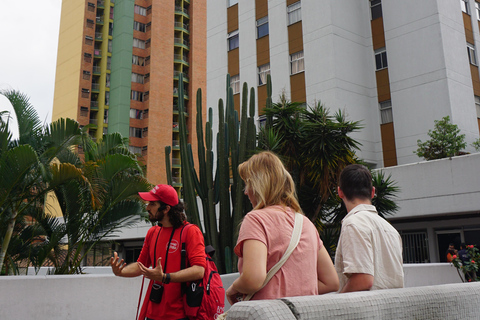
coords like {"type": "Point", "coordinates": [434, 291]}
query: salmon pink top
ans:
{"type": "Point", "coordinates": [273, 226]}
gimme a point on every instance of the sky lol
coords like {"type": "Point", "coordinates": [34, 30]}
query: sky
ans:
{"type": "Point", "coordinates": [28, 54]}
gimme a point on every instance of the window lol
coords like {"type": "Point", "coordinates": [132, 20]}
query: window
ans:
{"type": "Point", "coordinates": [262, 27]}
{"type": "Point", "coordinates": [139, 61]}
{"type": "Point", "coordinates": [107, 98]}
{"type": "Point", "coordinates": [83, 111]}
{"type": "Point", "coordinates": [294, 13]}
{"type": "Point", "coordinates": [233, 40]}
{"type": "Point", "coordinates": [139, 26]}
{"type": "Point", "coordinates": [477, 105]}
{"type": "Point", "coordinates": [90, 23]}
{"type": "Point", "coordinates": [263, 71]}
{"type": "Point", "coordinates": [386, 112]}
{"type": "Point", "coordinates": [381, 59]}
{"type": "Point", "coordinates": [87, 57]}
{"type": "Point", "coordinates": [91, 7]}
{"type": "Point", "coordinates": [85, 93]}
{"type": "Point", "coordinates": [138, 78]}
{"type": "Point", "coordinates": [232, 2]}
{"type": "Point", "coordinates": [86, 75]}
{"type": "Point", "coordinates": [296, 63]}
{"type": "Point", "coordinates": [262, 121]}
{"type": "Point", "coordinates": [136, 150]}
{"type": "Point", "coordinates": [472, 58]}
{"type": "Point", "coordinates": [137, 96]}
{"type": "Point", "coordinates": [135, 132]}
{"type": "Point", "coordinates": [477, 9]}
{"type": "Point", "coordinates": [415, 247]}
{"type": "Point", "coordinates": [235, 83]}
{"type": "Point", "coordinates": [137, 43]}
{"type": "Point", "coordinates": [376, 9]}
{"type": "Point", "coordinates": [136, 114]}
{"type": "Point", "coordinates": [141, 10]}
{"type": "Point", "coordinates": [88, 40]}
{"type": "Point", "coordinates": [464, 6]}
{"type": "Point", "coordinates": [110, 45]}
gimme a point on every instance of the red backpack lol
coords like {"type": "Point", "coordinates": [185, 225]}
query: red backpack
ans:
{"type": "Point", "coordinates": [203, 299]}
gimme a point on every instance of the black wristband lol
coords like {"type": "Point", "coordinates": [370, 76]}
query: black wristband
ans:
{"type": "Point", "coordinates": [167, 279]}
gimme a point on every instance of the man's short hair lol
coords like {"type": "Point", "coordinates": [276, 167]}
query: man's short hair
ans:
{"type": "Point", "coordinates": [356, 182]}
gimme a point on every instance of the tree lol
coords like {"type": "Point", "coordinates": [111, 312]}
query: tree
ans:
{"type": "Point", "coordinates": [446, 141]}
{"type": "Point", "coordinates": [476, 144]}
{"type": "Point", "coordinates": [96, 194]}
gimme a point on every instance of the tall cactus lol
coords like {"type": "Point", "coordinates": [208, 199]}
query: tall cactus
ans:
{"type": "Point", "coordinates": [235, 139]}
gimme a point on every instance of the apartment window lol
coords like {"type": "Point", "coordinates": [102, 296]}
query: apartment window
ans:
{"type": "Point", "coordinates": [477, 105]}
{"type": "Point", "coordinates": [136, 150]}
{"type": "Point", "coordinates": [464, 6]}
{"type": "Point", "coordinates": [90, 23]}
{"type": "Point", "coordinates": [148, 26]}
{"type": "Point", "coordinates": [147, 43]}
{"type": "Point", "coordinates": [88, 40]}
{"type": "Point", "coordinates": [232, 2]}
{"type": "Point", "coordinates": [376, 9]}
{"type": "Point", "coordinates": [381, 59]}
{"type": "Point", "coordinates": [294, 13]}
{"type": "Point", "coordinates": [139, 61]}
{"type": "Point", "coordinates": [86, 75]}
{"type": "Point", "coordinates": [140, 10]}
{"type": "Point", "coordinates": [137, 96]}
{"type": "Point", "coordinates": [139, 26]}
{"type": "Point", "coordinates": [233, 40]}
{"type": "Point", "coordinates": [83, 111]}
{"type": "Point", "coordinates": [107, 80]}
{"type": "Point", "coordinates": [262, 27]}
{"type": "Point", "coordinates": [145, 132]}
{"type": "Point", "coordinates": [105, 117]}
{"type": "Point", "coordinates": [110, 45]}
{"type": "Point", "coordinates": [85, 93]}
{"type": "Point", "coordinates": [111, 13]}
{"type": "Point", "coordinates": [91, 7]}
{"type": "Point", "coordinates": [135, 132]}
{"type": "Point", "coordinates": [262, 121]}
{"type": "Point", "coordinates": [145, 112]}
{"type": "Point", "coordinates": [263, 71]}
{"type": "Point", "coordinates": [296, 63]}
{"type": "Point", "coordinates": [235, 83]}
{"type": "Point", "coordinates": [149, 10]}
{"type": "Point", "coordinates": [477, 9]}
{"type": "Point", "coordinates": [472, 58]}
{"type": "Point", "coordinates": [136, 114]}
{"type": "Point", "coordinates": [138, 78]}
{"type": "Point", "coordinates": [386, 114]}
{"type": "Point", "coordinates": [109, 63]}
{"type": "Point", "coordinates": [107, 98]}
{"type": "Point", "coordinates": [87, 57]}
{"type": "Point", "coordinates": [137, 43]}
{"type": "Point", "coordinates": [415, 247]}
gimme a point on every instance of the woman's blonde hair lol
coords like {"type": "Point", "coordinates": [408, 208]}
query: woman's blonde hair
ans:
{"type": "Point", "coordinates": [265, 175]}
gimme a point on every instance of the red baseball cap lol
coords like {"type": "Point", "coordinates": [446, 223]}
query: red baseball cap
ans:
{"type": "Point", "coordinates": [162, 192]}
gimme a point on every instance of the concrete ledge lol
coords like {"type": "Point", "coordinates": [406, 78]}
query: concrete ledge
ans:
{"type": "Point", "coordinates": [449, 301]}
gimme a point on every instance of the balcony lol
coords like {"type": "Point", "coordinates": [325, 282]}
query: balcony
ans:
{"type": "Point", "coordinates": [181, 58]}
{"type": "Point", "coordinates": [93, 121]}
{"type": "Point", "coordinates": [99, 20]}
{"type": "Point", "coordinates": [95, 86]}
{"type": "Point", "coordinates": [176, 162]}
{"type": "Point", "coordinates": [176, 180]}
{"type": "Point", "coordinates": [181, 25]}
{"type": "Point", "coordinates": [176, 74]}
{"type": "Point", "coordinates": [98, 36]}
{"type": "Point", "coordinates": [97, 53]}
{"type": "Point", "coordinates": [179, 9]}
{"type": "Point", "coordinates": [94, 105]}
{"type": "Point", "coordinates": [100, 4]}
{"type": "Point", "coordinates": [175, 143]}
{"type": "Point", "coordinates": [97, 70]}
{"type": "Point", "coordinates": [181, 41]}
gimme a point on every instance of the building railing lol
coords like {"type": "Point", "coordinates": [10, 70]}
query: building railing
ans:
{"type": "Point", "coordinates": [180, 9]}
{"type": "Point", "coordinates": [97, 69]}
{"type": "Point", "coordinates": [181, 25]}
{"type": "Point", "coordinates": [98, 35]}
{"type": "Point", "coordinates": [96, 86]}
{"type": "Point", "coordinates": [178, 73]}
{"type": "Point", "coordinates": [181, 41]}
{"type": "Point", "coordinates": [180, 57]}
{"type": "Point", "coordinates": [176, 161]}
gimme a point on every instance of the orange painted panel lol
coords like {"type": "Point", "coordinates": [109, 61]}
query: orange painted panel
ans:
{"type": "Point", "coordinates": [232, 18]}
{"type": "Point", "coordinates": [297, 87]}
{"type": "Point", "coordinates": [383, 85]}
{"type": "Point", "coordinates": [233, 62]}
{"type": "Point", "coordinates": [378, 33]}
{"type": "Point", "coordinates": [388, 145]}
{"type": "Point", "coordinates": [289, 2]}
{"type": "Point", "coordinates": [261, 9]}
{"type": "Point", "coordinates": [262, 98]}
{"type": "Point", "coordinates": [263, 51]}
{"type": "Point", "coordinates": [475, 79]}
{"type": "Point", "coordinates": [295, 37]}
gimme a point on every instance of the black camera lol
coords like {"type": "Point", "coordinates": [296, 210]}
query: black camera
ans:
{"type": "Point", "coordinates": [156, 293]}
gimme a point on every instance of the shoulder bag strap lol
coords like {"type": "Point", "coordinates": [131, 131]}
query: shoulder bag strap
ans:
{"type": "Point", "coordinates": [297, 232]}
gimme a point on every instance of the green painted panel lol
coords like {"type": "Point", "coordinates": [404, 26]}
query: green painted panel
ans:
{"type": "Point", "coordinates": [120, 81]}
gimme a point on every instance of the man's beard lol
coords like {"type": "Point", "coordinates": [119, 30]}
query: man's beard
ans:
{"type": "Point", "coordinates": [158, 216]}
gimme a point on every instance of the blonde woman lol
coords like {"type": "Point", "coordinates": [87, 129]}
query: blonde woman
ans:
{"type": "Point", "coordinates": [265, 234]}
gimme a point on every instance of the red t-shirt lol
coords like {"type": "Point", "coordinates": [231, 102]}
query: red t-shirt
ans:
{"type": "Point", "coordinates": [171, 306]}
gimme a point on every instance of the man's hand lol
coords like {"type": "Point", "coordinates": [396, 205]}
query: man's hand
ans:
{"type": "Point", "coordinates": [153, 274]}
{"type": "Point", "coordinates": [358, 282]}
{"type": "Point", "coordinates": [117, 266]}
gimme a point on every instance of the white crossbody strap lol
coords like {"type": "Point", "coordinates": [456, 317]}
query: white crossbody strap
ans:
{"type": "Point", "coordinates": [297, 232]}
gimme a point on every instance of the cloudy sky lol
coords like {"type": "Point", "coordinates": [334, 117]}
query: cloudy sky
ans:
{"type": "Point", "coordinates": [29, 41]}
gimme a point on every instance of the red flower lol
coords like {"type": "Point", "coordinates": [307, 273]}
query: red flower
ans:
{"type": "Point", "coordinates": [454, 256]}
{"type": "Point", "coordinates": [470, 246]}
{"type": "Point", "coordinates": [469, 280]}
{"type": "Point", "coordinates": [473, 261]}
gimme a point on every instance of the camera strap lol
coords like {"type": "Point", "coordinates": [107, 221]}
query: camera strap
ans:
{"type": "Point", "coordinates": [166, 254]}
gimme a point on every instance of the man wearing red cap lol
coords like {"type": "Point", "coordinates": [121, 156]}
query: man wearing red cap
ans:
{"type": "Point", "coordinates": [161, 251]}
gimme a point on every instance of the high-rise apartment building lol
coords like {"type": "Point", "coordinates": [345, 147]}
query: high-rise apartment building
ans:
{"type": "Point", "coordinates": [118, 70]}
{"type": "Point", "coordinates": [394, 65]}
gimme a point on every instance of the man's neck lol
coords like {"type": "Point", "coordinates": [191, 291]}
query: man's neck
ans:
{"type": "Point", "coordinates": [355, 202]}
{"type": "Point", "coordinates": [166, 222]}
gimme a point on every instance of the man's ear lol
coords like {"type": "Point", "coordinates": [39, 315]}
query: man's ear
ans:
{"type": "Point", "coordinates": [340, 193]}
{"type": "Point", "coordinates": [167, 208]}
{"type": "Point", "coordinates": [373, 192]}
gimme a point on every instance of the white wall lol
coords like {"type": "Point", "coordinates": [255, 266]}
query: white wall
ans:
{"type": "Point", "coordinates": [104, 296]}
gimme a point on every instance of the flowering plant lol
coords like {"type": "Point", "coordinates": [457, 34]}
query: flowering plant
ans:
{"type": "Point", "coordinates": [468, 267]}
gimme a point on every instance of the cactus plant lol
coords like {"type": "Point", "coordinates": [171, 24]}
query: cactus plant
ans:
{"type": "Point", "coordinates": [235, 139]}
